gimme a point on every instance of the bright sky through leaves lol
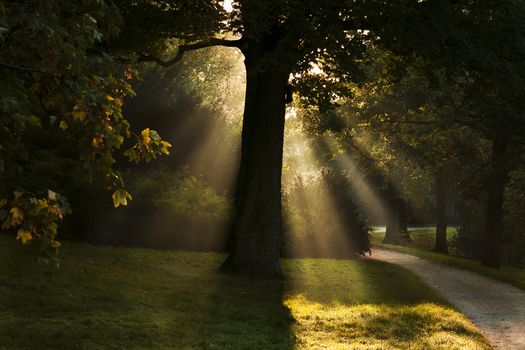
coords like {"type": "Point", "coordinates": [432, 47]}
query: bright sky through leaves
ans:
{"type": "Point", "coordinates": [227, 4]}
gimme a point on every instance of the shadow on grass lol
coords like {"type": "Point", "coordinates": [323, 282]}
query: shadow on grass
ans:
{"type": "Point", "coordinates": [111, 298]}
{"type": "Point", "coordinates": [356, 282]}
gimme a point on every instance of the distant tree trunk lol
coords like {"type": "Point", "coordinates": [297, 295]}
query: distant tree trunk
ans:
{"type": "Point", "coordinates": [392, 233]}
{"type": "Point", "coordinates": [257, 223]}
{"type": "Point", "coordinates": [441, 245]}
{"type": "Point", "coordinates": [403, 221]}
{"type": "Point", "coordinates": [491, 242]}
{"type": "Point", "coordinates": [396, 223]}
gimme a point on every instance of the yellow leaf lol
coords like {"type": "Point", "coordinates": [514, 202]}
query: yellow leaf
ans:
{"type": "Point", "coordinates": [165, 147]}
{"type": "Point", "coordinates": [120, 197]}
{"type": "Point", "coordinates": [3, 202]}
{"type": "Point", "coordinates": [110, 98]}
{"type": "Point", "coordinates": [97, 141]}
{"type": "Point", "coordinates": [78, 115]}
{"type": "Point", "coordinates": [146, 136]}
{"type": "Point", "coordinates": [17, 215]}
{"type": "Point", "coordinates": [62, 125]}
{"type": "Point", "coordinates": [24, 235]}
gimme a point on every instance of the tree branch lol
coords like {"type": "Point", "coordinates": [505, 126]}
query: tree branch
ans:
{"type": "Point", "coordinates": [415, 122]}
{"type": "Point", "coordinates": [189, 47]}
{"type": "Point", "coordinates": [12, 66]}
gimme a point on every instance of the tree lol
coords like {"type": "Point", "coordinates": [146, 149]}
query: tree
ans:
{"type": "Point", "coordinates": [411, 115]}
{"type": "Point", "coordinates": [60, 112]}
{"type": "Point", "coordinates": [480, 46]}
{"type": "Point", "coordinates": [282, 42]}
{"type": "Point", "coordinates": [278, 40]}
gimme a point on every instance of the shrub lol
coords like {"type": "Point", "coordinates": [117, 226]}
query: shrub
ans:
{"type": "Point", "coordinates": [322, 218]}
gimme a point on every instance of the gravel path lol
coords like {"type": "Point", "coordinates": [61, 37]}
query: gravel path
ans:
{"type": "Point", "coordinates": [496, 308]}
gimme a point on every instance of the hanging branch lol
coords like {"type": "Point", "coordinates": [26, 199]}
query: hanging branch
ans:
{"type": "Point", "coordinates": [22, 68]}
{"type": "Point", "coordinates": [188, 47]}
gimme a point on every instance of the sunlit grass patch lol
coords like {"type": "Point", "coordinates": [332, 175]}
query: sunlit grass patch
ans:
{"type": "Point", "coordinates": [371, 326]}
{"type": "Point", "coordinates": [345, 304]}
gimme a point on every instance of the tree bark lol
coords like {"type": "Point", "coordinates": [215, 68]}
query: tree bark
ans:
{"type": "Point", "coordinates": [491, 242]}
{"type": "Point", "coordinates": [441, 245]}
{"type": "Point", "coordinates": [256, 232]}
{"type": "Point", "coordinates": [392, 233]}
{"type": "Point", "coordinates": [396, 223]}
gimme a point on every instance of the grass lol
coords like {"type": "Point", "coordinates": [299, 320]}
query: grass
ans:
{"type": "Point", "coordinates": [423, 243]}
{"type": "Point", "coordinates": [117, 298]}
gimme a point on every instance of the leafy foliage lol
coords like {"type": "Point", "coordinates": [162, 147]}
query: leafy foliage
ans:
{"type": "Point", "coordinates": [322, 217]}
{"type": "Point", "coordinates": [148, 148]}
{"type": "Point", "coordinates": [63, 99]}
{"type": "Point", "coordinates": [35, 219]}
{"type": "Point", "coordinates": [171, 209]}
{"type": "Point", "coordinates": [181, 194]}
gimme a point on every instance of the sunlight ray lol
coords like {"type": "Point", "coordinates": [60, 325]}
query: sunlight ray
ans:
{"type": "Point", "coordinates": [310, 204]}
{"type": "Point", "coordinates": [369, 201]}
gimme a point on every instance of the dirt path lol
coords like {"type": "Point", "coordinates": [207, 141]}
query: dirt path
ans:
{"type": "Point", "coordinates": [498, 309]}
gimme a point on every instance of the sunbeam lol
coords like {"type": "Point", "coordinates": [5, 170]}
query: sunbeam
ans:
{"type": "Point", "coordinates": [369, 201]}
{"type": "Point", "coordinates": [315, 224]}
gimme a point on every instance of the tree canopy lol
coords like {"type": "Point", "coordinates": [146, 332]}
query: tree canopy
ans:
{"type": "Point", "coordinates": [69, 65]}
{"type": "Point", "coordinates": [61, 112]}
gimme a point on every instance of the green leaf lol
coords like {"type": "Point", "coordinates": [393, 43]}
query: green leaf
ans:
{"type": "Point", "coordinates": [154, 135]}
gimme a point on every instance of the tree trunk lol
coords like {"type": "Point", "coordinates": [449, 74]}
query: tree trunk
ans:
{"type": "Point", "coordinates": [396, 223]}
{"type": "Point", "coordinates": [491, 242]}
{"type": "Point", "coordinates": [403, 221]}
{"type": "Point", "coordinates": [392, 233]}
{"type": "Point", "coordinates": [257, 224]}
{"type": "Point", "coordinates": [441, 245]}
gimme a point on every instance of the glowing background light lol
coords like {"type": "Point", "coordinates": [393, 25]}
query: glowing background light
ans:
{"type": "Point", "coordinates": [227, 5]}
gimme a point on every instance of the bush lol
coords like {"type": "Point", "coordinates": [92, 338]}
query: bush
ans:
{"type": "Point", "coordinates": [322, 218]}
{"type": "Point", "coordinates": [170, 209]}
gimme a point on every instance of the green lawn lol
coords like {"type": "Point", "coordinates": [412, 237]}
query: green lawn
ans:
{"type": "Point", "coordinates": [116, 298]}
{"type": "Point", "coordinates": [423, 242]}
